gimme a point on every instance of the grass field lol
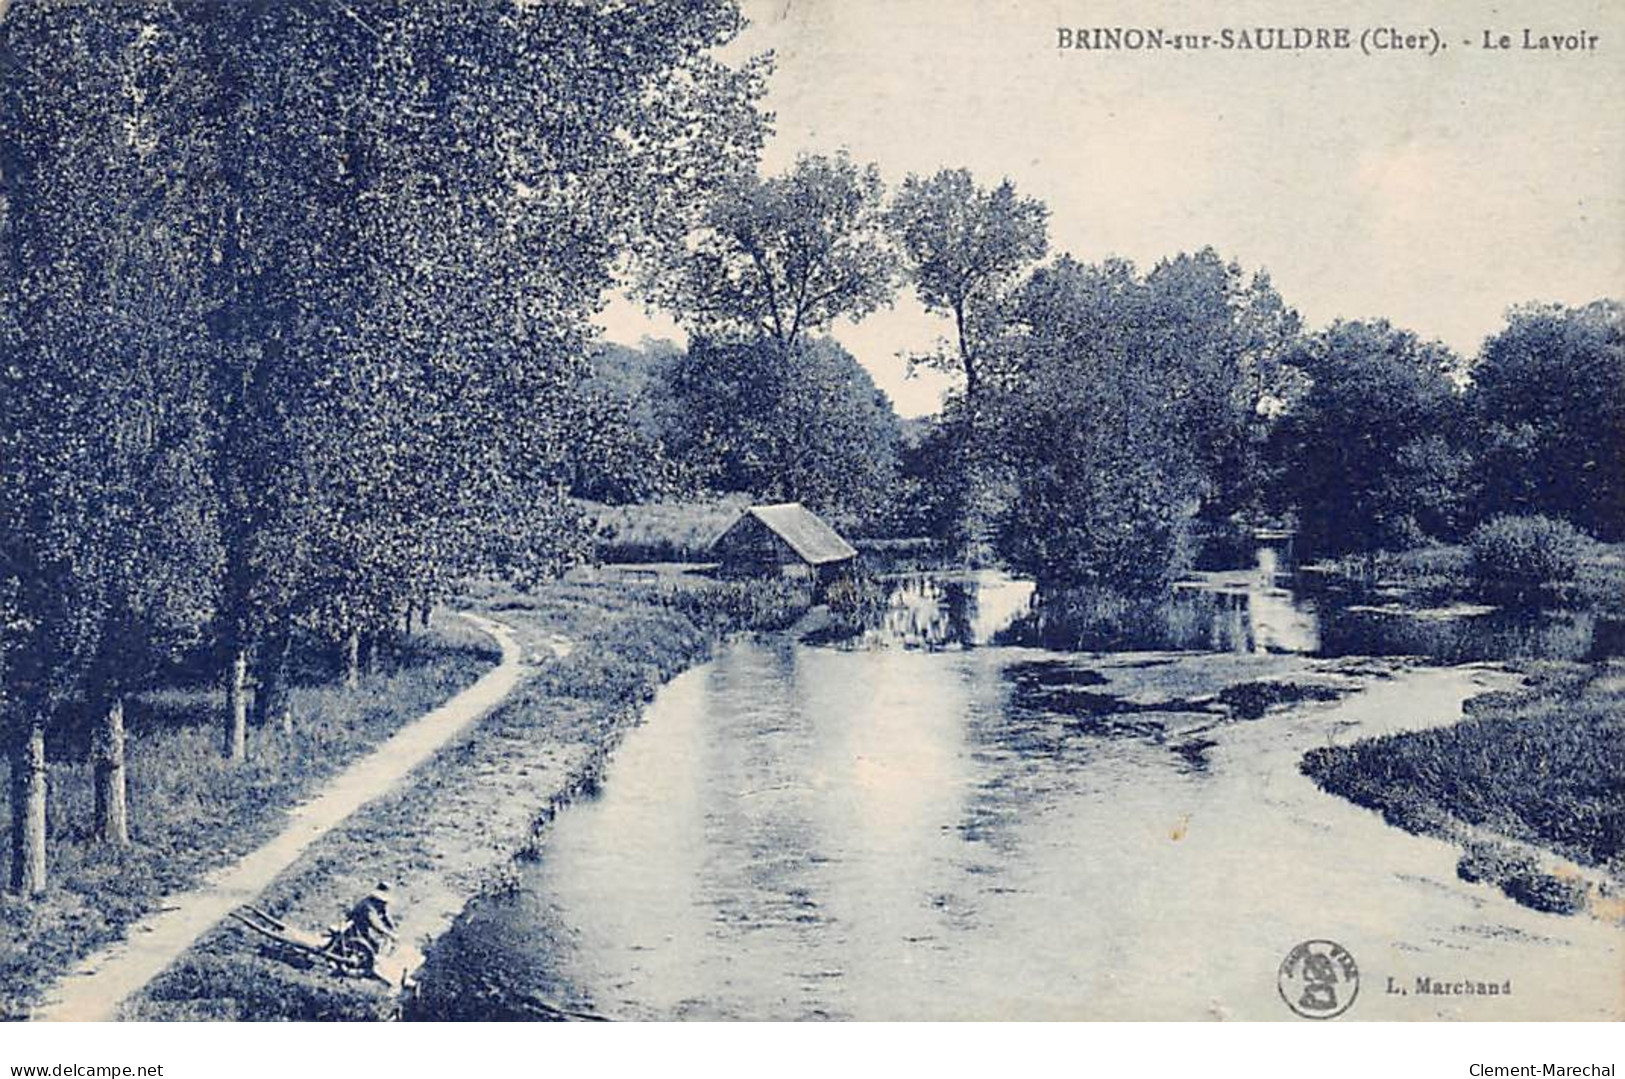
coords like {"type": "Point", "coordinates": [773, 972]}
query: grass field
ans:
{"type": "Point", "coordinates": [191, 811]}
{"type": "Point", "coordinates": [664, 531]}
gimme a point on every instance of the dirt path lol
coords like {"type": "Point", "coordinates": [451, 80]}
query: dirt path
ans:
{"type": "Point", "coordinates": [94, 989]}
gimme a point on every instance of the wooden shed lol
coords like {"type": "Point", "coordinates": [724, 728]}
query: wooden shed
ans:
{"type": "Point", "coordinates": [786, 539]}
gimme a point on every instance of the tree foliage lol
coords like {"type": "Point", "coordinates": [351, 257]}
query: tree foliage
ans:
{"type": "Point", "coordinates": [1548, 401]}
{"type": "Point", "coordinates": [1128, 404]}
{"type": "Point", "coordinates": [806, 426]}
{"type": "Point", "coordinates": [1106, 484]}
{"type": "Point", "coordinates": [1369, 455]}
{"type": "Point", "coordinates": [297, 305]}
{"type": "Point", "coordinates": [775, 259]}
{"type": "Point", "coordinates": [964, 245]}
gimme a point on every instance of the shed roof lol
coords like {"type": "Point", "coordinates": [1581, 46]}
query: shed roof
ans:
{"type": "Point", "coordinates": [814, 541]}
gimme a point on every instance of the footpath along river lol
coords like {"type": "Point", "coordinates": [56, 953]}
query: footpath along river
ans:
{"type": "Point", "coordinates": [922, 825]}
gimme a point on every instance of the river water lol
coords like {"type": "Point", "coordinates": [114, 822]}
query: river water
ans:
{"type": "Point", "coordinates": [932, 822]}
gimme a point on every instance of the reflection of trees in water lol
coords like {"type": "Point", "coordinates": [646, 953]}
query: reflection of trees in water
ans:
{"type": "Point", "coordinates": [1498, 635]}
{"type": "Point", "coordinates": [1269, 619]}
{"type": "Point", "coordinates": [927, 612]}
{"type": "Point", "coordinates": [1049, 720]}
{"type": "Point", "coordinates": [1025, 760]}
{"type": "Point", "coordinates": [931, 613]}
{"type": "Point", "coordinates": [1102, 621]}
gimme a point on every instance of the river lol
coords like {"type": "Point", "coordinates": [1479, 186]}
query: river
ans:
{"type": "Point", "coordinates": [937, 821]}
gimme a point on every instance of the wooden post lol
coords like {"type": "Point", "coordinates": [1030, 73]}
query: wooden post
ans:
{"type": "Point", "coordinates": [352, 658]}
{"type": "Point", "coordinates": [112, 786]}
{"type": "Point", "coordinates": [28, 779]}
{"type": "Point", "coordinates": [237, 706]}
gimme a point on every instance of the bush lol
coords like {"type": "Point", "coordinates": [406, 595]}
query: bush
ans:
{"type": "Point", "coordinates": [1521, 557]}
{"type": "Point", "coordinates": [1545, 892]}
{"type": "Point", "coordinates": [857, 600]}
{"type": "Point", "coordinates": [664, 531]}
{"type": "Point", "coordinates": [767, 603]}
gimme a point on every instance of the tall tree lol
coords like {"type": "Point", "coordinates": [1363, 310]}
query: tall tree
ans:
{"type": "Point", "coordinates": [1548, 401]}
{"type": "Point", "coordinates": [775, 259]}
{"type": "Point", "coordinates": [1222, 338]}
{"type": "Point", "coordinates": [964, 245]}
{"type": "Point", "coordinates": [109, 542]}
{"type": "Point", "coordinates": [411, 265]}
{"type": "Point", "coordinates": [1106, 480]}
{"type": "Point", "coordinates": [296, 301]}
{"type": "Point", "coordinates": [1364, 448]}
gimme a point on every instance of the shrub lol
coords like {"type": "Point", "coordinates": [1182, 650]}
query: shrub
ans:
{"type": "Point", "coordinates": [664, 531]}
{"type": "Point", "coordinates": [1546, 892]}
{"type": "Point", "coordinates": [1518, 875]}
{"type": "Point", "coordinates": [857, 600]}
{"type": "Point", "coordinates": [1522, 557]}
{"type": "Point", "coordinates": [769, 603]}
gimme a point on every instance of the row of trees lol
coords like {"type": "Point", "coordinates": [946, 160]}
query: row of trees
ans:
{"type": "Point", "coordinates": [1397, 441]}
{"type": "Point", "coordinates": [1144, 391]}
{"type": "Point", "coordinates": [759, 401]}
{"type": "Point", "coordinates": [295, 305]}
{"type": "Point", "coordinates": [1105, 415]}
{"type": "Point", "coordinates": [1197, 405]}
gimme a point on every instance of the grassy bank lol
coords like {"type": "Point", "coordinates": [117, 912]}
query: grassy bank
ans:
{"type": "Point", "coordinates": [1443, 573]}
{"type": "Point", "coordinates": [602, 644]}
{"type": "Point", "coordinates": [1532, 771]}
{"type": "Point", "coordinates": [191, 811]}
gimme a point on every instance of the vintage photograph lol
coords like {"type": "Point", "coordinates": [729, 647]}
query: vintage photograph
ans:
{"type": "Point", "coordinates": [861, 510]}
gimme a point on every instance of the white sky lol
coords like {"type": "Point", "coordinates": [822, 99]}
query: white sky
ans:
{"type": "Point", "coordinates": [1434, 191]}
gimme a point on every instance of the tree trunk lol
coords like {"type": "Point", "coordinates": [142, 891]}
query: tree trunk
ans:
{"type": "Point", "coordinates": [112, 793]}
{"type": "Point", "coordinates": [352, 658]}
{"type": "Point", "coordinates": [972, 382]}
{"type": "Point", "coordinates": [28, 811]}
{"type": "Point", "coordinates": [271, 699]}
{"type": "Point", "coordinates": [237, 706]}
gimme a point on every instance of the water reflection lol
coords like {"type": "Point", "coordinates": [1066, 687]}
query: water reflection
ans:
{"type": "Point", "coordinates": [1257, 610]}
{"type": "Point", "coordinates": [937, 612]}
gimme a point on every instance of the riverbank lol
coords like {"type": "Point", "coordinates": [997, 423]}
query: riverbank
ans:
{"type": "Point", "coordinates": [1442, 574]}
{"type": "Point", "coordinates": [1527, 784]}
{"type": "Point", "coordinates": [192, 812]}
{"type": "Point", "coordinates": [600, 644]}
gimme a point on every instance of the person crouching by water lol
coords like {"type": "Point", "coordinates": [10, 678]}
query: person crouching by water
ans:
{"type": "Point", "coordinates": [370, 921]}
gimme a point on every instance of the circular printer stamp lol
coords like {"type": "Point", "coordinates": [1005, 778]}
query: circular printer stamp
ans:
{"type": "Point", "coordinates": [1319, 979]}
